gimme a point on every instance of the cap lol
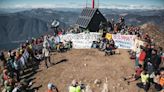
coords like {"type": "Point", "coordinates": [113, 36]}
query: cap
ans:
{"type": "Point", "coordinates": [50, 85]}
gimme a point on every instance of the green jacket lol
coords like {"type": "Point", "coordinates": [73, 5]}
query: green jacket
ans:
{"type": "Point", "coordinates": [74, 89]}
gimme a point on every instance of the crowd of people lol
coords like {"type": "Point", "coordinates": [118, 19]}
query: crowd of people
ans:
{"type": "Point", "coordinates": [15, 62]}
{"type": "Point", "coordinates": [148, 58]}
{"type": "Point", "coordinates": [149, 66]}
{"type": "Point", "coordinates": [108, 46]}
{"type": "Point", "coordinates": [27, 57]}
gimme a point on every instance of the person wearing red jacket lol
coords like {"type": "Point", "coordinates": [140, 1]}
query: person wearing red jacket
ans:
{"type": "Point", "coordinates": [142, 57]}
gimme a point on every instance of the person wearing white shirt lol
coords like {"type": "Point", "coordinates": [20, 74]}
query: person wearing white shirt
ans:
{"type": "Point", "coordinates": [46, 55]}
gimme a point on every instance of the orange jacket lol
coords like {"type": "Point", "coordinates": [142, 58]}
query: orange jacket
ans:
{"type": "Point", "coordinates": [161, 81]}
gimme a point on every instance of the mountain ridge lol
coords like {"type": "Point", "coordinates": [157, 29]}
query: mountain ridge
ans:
{"type": "Point", "coordinates": [23, 25]}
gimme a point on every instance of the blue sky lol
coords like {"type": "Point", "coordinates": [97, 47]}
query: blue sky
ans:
{"type": "Point", "coordinates": [120, 4]}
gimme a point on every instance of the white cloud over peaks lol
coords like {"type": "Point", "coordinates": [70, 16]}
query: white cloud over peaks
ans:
{"type": "Point", "coordinates": [121, 6]}
{"type": "Point", "coordinates": [32, 6]}
{"type": "Point", "coordinates": [43, 6]}
{"type": "Point", "coordinates": [75, 5]}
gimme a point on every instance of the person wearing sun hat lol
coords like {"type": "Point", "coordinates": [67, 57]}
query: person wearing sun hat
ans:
{"type": "Point", "coordinates": [52, 88]}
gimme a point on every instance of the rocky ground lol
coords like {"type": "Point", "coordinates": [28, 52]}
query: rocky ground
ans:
{"type": "Point", "coordinates": [90, 67]}
{"type": "Point", "coordinates": [155, 32]}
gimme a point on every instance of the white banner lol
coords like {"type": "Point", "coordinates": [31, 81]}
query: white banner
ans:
{"type": "Point", "coordinates": [124, 41]}
{"type": "Point", "coordinates": [81, 40]}
{"type": "Point", "coordinates": [137, 44]}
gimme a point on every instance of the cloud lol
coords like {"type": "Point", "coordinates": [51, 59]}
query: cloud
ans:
{"type": "Point", "coordinates": [43, 6]}
{"type": "Point", "coordinates": [29, 6]}
{"type": "Point", "coordinates": [76, 5]}
{"type": "Point", "coordinates": [121, 6]}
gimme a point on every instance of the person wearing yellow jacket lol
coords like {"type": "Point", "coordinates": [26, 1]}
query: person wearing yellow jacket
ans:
{"type": "Point", "coordinates": [74, 87]}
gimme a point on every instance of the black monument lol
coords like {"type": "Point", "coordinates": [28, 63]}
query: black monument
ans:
{"type": "Point", "coordinates": [90, 19]}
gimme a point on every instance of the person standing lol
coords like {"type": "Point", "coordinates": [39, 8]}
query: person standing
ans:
{"type": "Point", "coordinates": [155, 59]}
{"type": "Point", "coordinates": [46, 55]}
{"type": "Point", "coordinates": [3, 59]}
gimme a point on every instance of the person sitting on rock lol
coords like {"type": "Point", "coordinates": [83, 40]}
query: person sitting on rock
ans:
{"type": "Point", "coordinates": [61, 47]}
{"type": "Point", "coordinates": [135, 76]}
{"type": "Point", "coordinates": [94, 45]}
{"type": "Point", "coordinates": [144, 81]}
{"type": "Point", "coordinates": [112, 43]}
{"type": "Point", "coordinates": [159, 81]}
{"type": "Point", "coordinates": [108, 50]}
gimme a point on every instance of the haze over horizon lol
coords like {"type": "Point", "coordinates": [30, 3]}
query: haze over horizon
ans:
{"type": "Point", "coordinates": [111, 4]}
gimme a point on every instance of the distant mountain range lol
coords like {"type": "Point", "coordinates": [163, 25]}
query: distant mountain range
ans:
{"type": "Point", "coordinates": [19, 26]}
